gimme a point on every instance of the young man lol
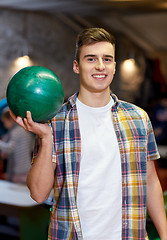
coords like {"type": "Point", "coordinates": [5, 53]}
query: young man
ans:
{"type": "Point", "coordinates": [101, 160]}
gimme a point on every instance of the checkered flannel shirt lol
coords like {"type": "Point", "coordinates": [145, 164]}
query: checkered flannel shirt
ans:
{"type": "Point", "coordinates": [137, 146]}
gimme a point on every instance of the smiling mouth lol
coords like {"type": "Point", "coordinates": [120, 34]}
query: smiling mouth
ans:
{"type": "Point", "coordinates": [99, 76]}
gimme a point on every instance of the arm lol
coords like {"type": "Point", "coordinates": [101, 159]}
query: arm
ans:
{"type": "Point", "coordinates": [155, 201]}
{"type": "Point", "coordinates": [40, 178]}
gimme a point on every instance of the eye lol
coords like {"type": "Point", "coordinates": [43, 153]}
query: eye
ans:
{"type": "Point", "coordinates": [107, 59]}
{"type": "Point", "coordinates": [91, 59]}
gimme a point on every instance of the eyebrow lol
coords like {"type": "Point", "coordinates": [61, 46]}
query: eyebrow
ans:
{"type": "Point", "coordinates": [93, 55]}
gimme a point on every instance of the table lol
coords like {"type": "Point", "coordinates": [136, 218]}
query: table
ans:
{"type": "Point", "coordinates": [15, 201]}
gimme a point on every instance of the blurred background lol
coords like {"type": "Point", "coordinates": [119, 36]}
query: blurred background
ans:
{"type": "Point", "coordinates": [43, 33]}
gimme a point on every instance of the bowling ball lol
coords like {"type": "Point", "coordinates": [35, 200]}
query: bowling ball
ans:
{"type": "Point", "coordinates": [35, 89]}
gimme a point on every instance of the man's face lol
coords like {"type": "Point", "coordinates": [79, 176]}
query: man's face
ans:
{"type": "Point", "coordinates": [96, 66]}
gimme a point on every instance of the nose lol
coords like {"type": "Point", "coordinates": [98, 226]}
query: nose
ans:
{"type": "Point", "coordinates": [100, 65]}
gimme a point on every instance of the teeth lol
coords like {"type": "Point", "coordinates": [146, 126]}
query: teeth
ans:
{"type": "Point", "coordinates": [99, 76]}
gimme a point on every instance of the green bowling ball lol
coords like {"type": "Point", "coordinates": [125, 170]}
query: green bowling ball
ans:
{"type": "Point", "coordinates": [35, 89]}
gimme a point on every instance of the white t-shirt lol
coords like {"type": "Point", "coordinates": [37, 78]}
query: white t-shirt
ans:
{"type": "Point", "coordinates": [99, 197]}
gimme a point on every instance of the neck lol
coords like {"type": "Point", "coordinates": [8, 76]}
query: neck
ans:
{"type": "Point", "coordinates": [94, 99]}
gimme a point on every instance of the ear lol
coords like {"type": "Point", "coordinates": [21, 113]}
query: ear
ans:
{"type": "Point", "coordinates": [75, 67]}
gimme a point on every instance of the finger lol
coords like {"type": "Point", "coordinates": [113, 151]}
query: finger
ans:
{"type": "Point", "coordinates": [12, 115]}
{"type": "Point", "coordinates": [26, 124]}
{"type": "Point", "coordinates": [29, 117]}
{"type": "Point", "coordinates": [19, 121]}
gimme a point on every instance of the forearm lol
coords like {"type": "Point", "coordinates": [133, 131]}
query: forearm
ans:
{"type": "Point", "coordinates": [155, 205]}
{"type": "Point", "coordinates": [41, 175]}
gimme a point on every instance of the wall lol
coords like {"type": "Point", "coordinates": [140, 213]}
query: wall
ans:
{"type": "Point", "coordinates": [48, 42]}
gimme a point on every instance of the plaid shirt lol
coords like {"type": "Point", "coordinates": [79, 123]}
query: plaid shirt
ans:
{"type": "Point", "coordinates": [137, 146]}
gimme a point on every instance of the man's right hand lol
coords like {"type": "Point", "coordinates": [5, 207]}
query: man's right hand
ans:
{"type": "Point", "coordinates": [41, 129]}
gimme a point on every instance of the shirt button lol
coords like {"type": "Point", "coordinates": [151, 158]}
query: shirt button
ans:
{"type": "Point", "coordinates": [125, 223]}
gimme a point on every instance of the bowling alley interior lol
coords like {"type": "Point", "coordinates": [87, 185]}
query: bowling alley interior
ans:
{"type": "Point", "coordinates": [43, 33]}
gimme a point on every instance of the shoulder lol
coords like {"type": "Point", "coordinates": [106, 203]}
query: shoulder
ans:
{"type": "Point", "coordinates": [67, 107]}
{"type": "Point", "coordinates": [132, 110]}
{"type": "Point", "coordinates": [128, 110]}
{"type": "Point", "coordinates": [58, 122]}
{"type": "Point", "coordinates": [136, 117]}
{"type": "Point", "coordinates": [60, 116]}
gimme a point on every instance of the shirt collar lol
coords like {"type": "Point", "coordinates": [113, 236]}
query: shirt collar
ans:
{"type": "Point", "coordinates": [73, 98]}
{"type": "Point", "coordinates": [116, 101]}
